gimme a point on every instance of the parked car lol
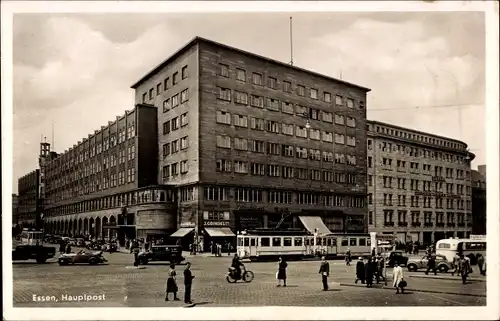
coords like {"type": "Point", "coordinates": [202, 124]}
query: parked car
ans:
{"type": "Point", "coordinates": [397, 257]}
{"type": "Point", "coordinates": [80, 242]}
{"type": "Point", "coordinates": [442, 264]}
{"type": "Point", "coordinates": [169, 253]}
{"type": "Point", "coordinates": [87, 257]}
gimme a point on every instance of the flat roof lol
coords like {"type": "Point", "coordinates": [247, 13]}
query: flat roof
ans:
{"type": "Point", "coordinates": [196, 40]}
{"type": "Point", "coordinates": [374, 122]}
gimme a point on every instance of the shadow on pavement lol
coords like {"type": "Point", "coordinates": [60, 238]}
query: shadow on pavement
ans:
{"type": "Point", "coordinates": [201, 303]}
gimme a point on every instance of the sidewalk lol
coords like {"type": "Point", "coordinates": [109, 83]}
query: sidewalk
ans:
{"type": "Point", "coordinates": [390, 287]}
{"type": "Point", "coordinates": [449, 277]}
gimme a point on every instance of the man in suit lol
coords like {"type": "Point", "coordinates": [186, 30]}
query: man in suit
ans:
{"type": "Point", "coordinates": [188, 281]}
{"type": "Point", "coordinates": [324, 270]}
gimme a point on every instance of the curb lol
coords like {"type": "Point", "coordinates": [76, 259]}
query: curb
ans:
{"type": "Point", "coordinates": [417, 290]}
{"type": "Point", "coordinates": [446, 278]}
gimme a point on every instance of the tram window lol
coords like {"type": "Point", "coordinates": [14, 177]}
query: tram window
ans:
{"type": "Point", "coordinates": [276, 241]}
{"type": "Point", "coordinates": [323, 242]}
{"type": "Point", "coordinates": [247, 243]}
{"type": "Point", "coordinates": [240, 241]}
{"type": "Point", "coordinates": [252, 242]}
{"type": "Point", "coordinates": [287, 241]}
{"type": "Point", "coordinates": [368, 242]}
{"type": "Point", "coordinates": [353, 241]}
{"type": "Point", "coordinates": [297, 241]}
{"type": "Point", "coordinates": [334, 242]}
{"type": "Point", "coordinates": [264, 241]}
{"type": "Point", "coordinates": [344, 242]}
{"type": "Point", "coordinates": [362, 241]}
{"type": "Point", "coordinates": [329, 242]}
{"type": "Point", "coordinates": [318, 241]}
{"type": "Point", "coordinates": [306, 242]}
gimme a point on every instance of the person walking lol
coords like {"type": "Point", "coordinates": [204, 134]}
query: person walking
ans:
{"type": "Point", "coordinates": [375, 269]}
{"type": "Point", "coordinates": [431, 264]}
{"type": "Point", "coordinates": [188, 282]}
{"type": "Point", "coordinates": [348, 257]}
{"type": "Point", "coordinates": [397, 278]}
{"type": "Point", "coordinates": [281, 274]}
{"type": "Point", "coordinates": [464, 267]}
{"type": "Point", "coordinates": [360, 271]}
{"type": "Point", "coordinates": [171, 283]}
{"type": "Point", "coordinates": [456, 260]}
{"type": "Point", "coordinates": [369, 273]}
{"type": "Point", "coordinates": [324, 270]}
{"type": "Point", "coordinates": [480, 264]}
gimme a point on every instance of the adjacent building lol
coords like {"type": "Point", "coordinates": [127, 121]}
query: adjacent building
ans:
{"type": "Point", "coordinates": [106, 185]}
{"type": "Point", "coordinates": [479, 201]}
{"type": "Point", "coordinates": [248, 142]}
{"type": "Point", "coordinates": [28, 207]}
{"type": "Point", "coordinates": [15, 206]}
{"type": "Point", "coordinates": [419, 184]}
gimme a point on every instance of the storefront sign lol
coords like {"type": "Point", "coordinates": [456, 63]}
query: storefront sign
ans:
{"type": "Point", "coordinates": [250, 208]}
{"type": "Point", "coordinates": [215, 223]}
{"type": "Point", "coordinates": [187, 224]}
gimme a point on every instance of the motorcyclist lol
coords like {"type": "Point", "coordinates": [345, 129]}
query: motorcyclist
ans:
{"type": "Point", "coordinates": [237, 264]}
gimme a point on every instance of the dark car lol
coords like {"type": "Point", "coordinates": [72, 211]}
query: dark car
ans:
{"type": "Point", "coordinates": [83, 256]}
{"type": "Point", "coordinates": [397, 257]}
{"type": "Point", "coordinates": [169, 253]}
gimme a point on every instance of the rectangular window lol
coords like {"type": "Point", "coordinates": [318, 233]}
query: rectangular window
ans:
{"type": "Point", "coordinates": [257, 79]}
{"type": "Point", "coordinates": [158, 89]}
{"type": "Point", "coordinates": [300, 131]}
{"type": "Point", "coordinates": [240, 121]}
{"type": "Point", "coordinates": [339, 119]}
{"type": "Point", "coordinates": [350, 103]}
{"type": "Point", "coordinates": [327, 137]}
{"type": "Point", "coordinates": [241, 143]}
{"type": "Point", "coordinates": [184, 166]}
{"type": "Point", "coordinates": [257, 101]}
{"type": "Point", "coordinates": [258, 146]}
{"type": "Point", "coordinates": [287, 150]}
{"type": "Point", "coordinates": [328, 156]}
{"type": "Point", "coordinates": [314, 93]}
{"type": "Point", "coordinates": [241, 167]}
{"type": "Point", "coordinates": [301, 152]}
{"type": "Point", "coordinates": [223, 165]}
{"type": "Point", "coordinates": [166, 149]}
{"type": "Point", "coordinates": [175, 123]}
{"type": "Point", "coordinates": [273, 149]}
{"type": "Point", "coordinates": [257, 123]}
{"type": "Point", "coordinates": [274, 170]}
{"type": "Point", "coordinates": [184, 96]}
{"type": "Point", "coordinates": [351, 141]}
{"type": "Point", "coordinates": [272, 82]}
{"type": "Point", "coordinates": [166, 83]}
{"type": "Point", "coordinates": [241, 98]}
{"type": "Point", "coordinates": [224, 70]}
{"type": "Point", "coordinates": [327, 97]}
{"type": "Point", "coordinates": [224, 94]}
{"type": "Point", "coordinates": [166, 127]}
{"type": "Point", "coordinates": [223, 141]}
{"type": "Point", "coordinates": [184, 119]}
{"type": "Point", "coordinates": [175, 100]}
{"type": "Point", "coordinates": [175, 78]}
{"type": "Point", "coordinates": [273, 104]}
{"type": "Point", "coordinates": [184, 142]}
{"type": "Point", "coordinates": [166, 105]}
{"type": "Point", "coordinates": [339, 139]}
{"type": "Point", "coordinates": [223, 117]}
{"type": "Point", "coordinates": [184, 72]}
{"type": "Point", "coordinates": [151, 93]}
{"type": "Point", "coordinates": [301, 90]}
{"type": "Point", "coordinates": [314, 134]}
{"type": "Point", "coordinates": [174, 146]}
{"type": "Point", "coordinates": [287, 86]}
{"type": "Point", "coordinates": [351, 122]}
{"type": "Point", "coordinates": [287, 129]}
{"type": "Point", "coordinates": [241, 75]}
{"type": "Point", "coordinates": [327, 117]}
{"type": "Point", "coordinates": [338, 100]}
{"type": "Point", "coordinates": [287, 108]}
{"type": "Point", "coordinates": [272, 126]}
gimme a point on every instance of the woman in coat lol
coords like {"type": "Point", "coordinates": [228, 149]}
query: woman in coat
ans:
{"type": "Point", "coordinates": [369, 273]}
{"type": "Point", "coordinates": [397, 276]}
{"type": "Point", "coordinates": [282, 265]}
{"type": "Point", "coordinates": [360, 271]}
{"type": "Point", "coordinates": [171, 283]}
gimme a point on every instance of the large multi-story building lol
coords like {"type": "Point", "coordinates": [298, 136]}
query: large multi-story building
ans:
{"type": "Point", "coordinates": [479, 201]}
{"type": "Point", "coordinates": [15, 206]}
{"type": "Point", "coordinates": [28, 205]}
{"type": "Point", "coordinates": [419, 184]}
{"type": "Point", "coordinates": [250, 141]}
{"type": "Point", "coordinates": [106, 185]}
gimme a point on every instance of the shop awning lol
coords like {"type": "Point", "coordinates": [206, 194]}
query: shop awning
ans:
{"type": "Point", "coordinates": [183, 231]}
{"type": "Point", "coordinates": [314, 222]}
{"type": "Point", "coordinates": [219, 231]}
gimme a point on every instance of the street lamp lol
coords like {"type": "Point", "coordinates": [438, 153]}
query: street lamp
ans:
{"type": "Point", "coordinates": [306, 116]}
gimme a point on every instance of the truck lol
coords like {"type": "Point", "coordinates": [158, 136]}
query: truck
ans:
{"type": "Point", "coordinates": [30, 247]}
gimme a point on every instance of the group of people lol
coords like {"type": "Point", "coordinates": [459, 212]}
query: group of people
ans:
{"type": "Point", "coordinates": [412, 248]}
{"type": "Point", "coordinates": [217, 248]}
{"type": "Point", "coordinates": [368, 269]}
{"type": "Point", "coordinates": [172, 287]}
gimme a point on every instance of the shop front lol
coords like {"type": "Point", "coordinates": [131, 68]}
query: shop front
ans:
{"type": "Point", "coordinates": [217, 231]}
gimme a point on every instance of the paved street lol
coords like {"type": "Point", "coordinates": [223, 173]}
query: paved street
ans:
{"type": "Point", "coordinates": [124, 286]}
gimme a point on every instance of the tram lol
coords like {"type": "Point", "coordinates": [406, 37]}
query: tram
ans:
{"type": "Point", "coordinates": [266, 244]}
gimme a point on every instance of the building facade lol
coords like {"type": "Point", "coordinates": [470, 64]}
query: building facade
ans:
{"type": "Point", "coordinates": [28, 200]}
{"type": "Point", "coordinates": [106, 185]}
{"type": "Point", "coordinates": [15, 206]}
{"type": "Point", "coordinates": [248, 142]}
{"type": "Point", "coordinates": [419, 184]}
{"type": "Point", "coordinates": [479, 201]}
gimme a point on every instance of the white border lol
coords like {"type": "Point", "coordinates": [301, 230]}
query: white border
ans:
{"type": "Point", "coordinates": [260, 313]}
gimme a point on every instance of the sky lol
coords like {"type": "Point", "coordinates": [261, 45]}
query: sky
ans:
{"type": "Point", "coordinates": [73, 72]}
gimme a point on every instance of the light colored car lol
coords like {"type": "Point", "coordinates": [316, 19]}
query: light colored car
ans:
{"type": "Point", "coordinates": [442, 264]}
{"type": "Point", "coordinates": [88, 257]}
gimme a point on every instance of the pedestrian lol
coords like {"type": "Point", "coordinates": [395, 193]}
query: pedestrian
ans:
{"type": "Point", "coordinates": [456, 260]}
{"type": "Point", "coordinates": [373, 252]}
{"type": "Point", "coordinates": [431, 264]}
{"type": "Point", "coordinates": [146, 246]}
{"type": "Point", "coordinates": [375, 269]}
{"type": "Point", "coordinates": [380, 268]}
{"type": "Point", "coordinates": [281, 274]}
{"type": "Point", "coordinates": [136, 256]}
{"type": "Point", "coordinates": [464, 267]}
{"type": "Point", "coordinates": [212, 248]}
{"type": "Point", "coordinates": [62, 247]}
{"type": "Point", "coordinates": [348, 257]}
{"type": "Point", "coordinates": [188, 282]}
{"type": "Point", "coordinates": [480, 264]}
{"type": "Point", "coordinates": [68, 248]}
{"type": "Point", "coordinates": [324, 270]}
{"type": "Point", "coordinates": [397, 278]}
{"type": "Point", "coordinates": [369, 273]}
{"type": "Point", "coordinates": [360, 271]}
{"type": "Point", "coordinates": [219, 249]}
{"type": "Point", "coordinates": [171, 283]}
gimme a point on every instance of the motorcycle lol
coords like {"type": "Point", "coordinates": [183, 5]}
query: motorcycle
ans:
{"type": "Point", "coordinates": [232, 276]}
